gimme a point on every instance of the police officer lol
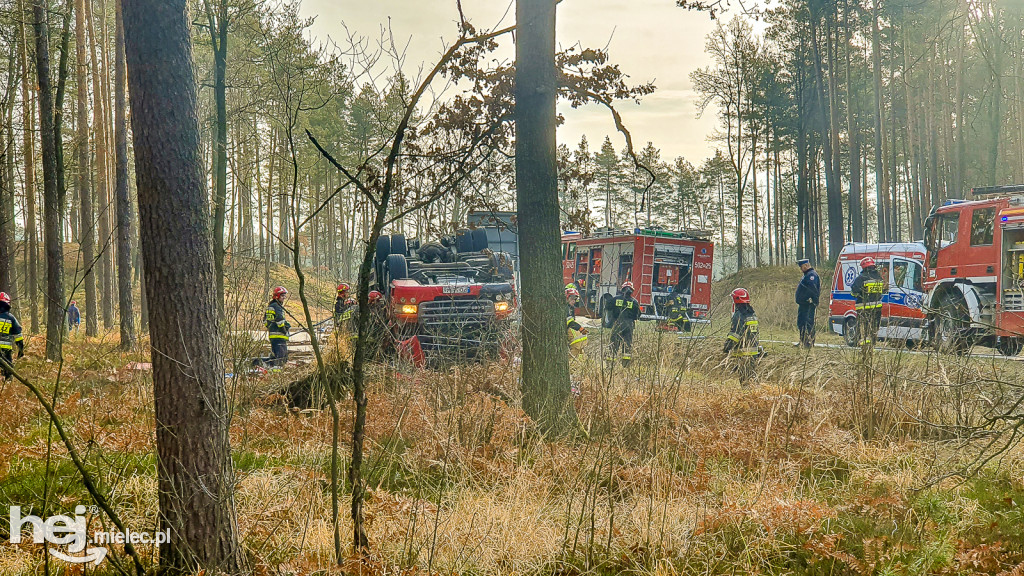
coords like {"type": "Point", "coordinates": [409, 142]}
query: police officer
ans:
{"type": "Point", "coordinates": [867, 289]}
{"type": "Point", "coordinates": [742, 342]}
{"type": "Point", "coordinates": [277, 328]}
{"type": "Point", "coordinates": [807, 294]}
{"type": "Point", "coordinates": [678, 308]}
{"type": "Point", "coordinates": [626, 310]}
{"type": "Point", "coordinates": [10, 334]}
{"type": "Point", "coordinates": [577, 334]}
{"type": "Point", "coordinates": [343, 306]}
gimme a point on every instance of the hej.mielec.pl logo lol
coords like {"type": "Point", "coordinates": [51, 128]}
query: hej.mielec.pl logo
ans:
{"type": "Point", "coordinates": [72, 535]}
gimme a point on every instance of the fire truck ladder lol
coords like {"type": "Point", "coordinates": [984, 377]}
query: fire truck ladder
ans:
{"type": "Point", "coordinates": [647, 269]}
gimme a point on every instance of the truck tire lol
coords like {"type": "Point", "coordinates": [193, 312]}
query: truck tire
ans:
{"type": "Point", "coordinates": [479, 240]}
{"type": "Point", "coordinates": [380, 257]}
{"type": "Point", "coordinates": [399, 245]}
{"type": "Point", "coordinates": [395, 268]}
{"type": "Point", "coordinates": [1010, 346]}
{"type": "Point", "coordinates": [463, 241]}
{"type": "Point", "coordinates": [850, 332]}
{"type": "Point", "coordinates": [950, 326]}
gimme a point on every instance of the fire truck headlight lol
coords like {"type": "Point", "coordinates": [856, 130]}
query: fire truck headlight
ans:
{"type": "Point", "coordinates": [501, 306]}
{"type": "Point", "coordinates": [408, 309]}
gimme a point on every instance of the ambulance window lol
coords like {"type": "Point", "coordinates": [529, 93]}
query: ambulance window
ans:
{"type": "Point", "coordinates": [949, 228]}
{"type": "Point", "coordinates": [983, 226]}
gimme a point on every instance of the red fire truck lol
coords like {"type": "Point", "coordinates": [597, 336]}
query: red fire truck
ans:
{"type": "Point", "coordinates": [654, 260]}
{"type": "Point", "coordinates": [975, 278]}
{"type": "Point", "coordinates": [901, 266]}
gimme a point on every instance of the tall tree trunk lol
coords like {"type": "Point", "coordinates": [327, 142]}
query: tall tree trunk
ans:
{"type": "Point", "coordinates": [545, 365]}
{"type": "Point", "coordinates": [53, 206]}
{"type": "Point", "coordinates": [194, 470]}
{"type": "Point", "coordinates": [833, 194]}
{"type": "Point", "coordinates": [28, 115]}
{"type": "Point", "coordinates": [121, 192]}
{"type": "Point", "coordinates": [856, 211]}
{"type": "Point", "coordinates": [8, 225]}
{"type": "Point", "coordinates": [218, 27]}
{"type": "Point", "coordinates": [101, 191]}
{"type": "Point", "coordinates": [107, 233]}
{"type": "Point", "coordinates": [87, 219]}
{"type": "Point", "coordinates": [881, 182]}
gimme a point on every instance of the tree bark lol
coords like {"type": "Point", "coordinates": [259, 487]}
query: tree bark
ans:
{"type": "Point", "coordinates": [53, 205]}
{"type": "Point", "coordinates": [194, 468]}
{"type": "Point", "coordinates": [32, 238]}
{"type": "Point", "coordinates": [545, 366]}
{"type": "Point", "coordinates": [219, 42]}
{"type": "Point", "coordinates": [121, 192]}
{"type": "Point", "coordinates": [881, 182]}
{"type": "Point", "coordinates": [8, 225]}
{"type": "Point", "coordinates": [833, 194]}
{"type": "Point", "coordinates": [856, 212]}
{"type": "Point", "coordinates": [87, 219]}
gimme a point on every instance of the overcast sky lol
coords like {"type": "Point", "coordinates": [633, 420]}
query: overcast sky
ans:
{"type": "Point", "coordinates": [651, 40]}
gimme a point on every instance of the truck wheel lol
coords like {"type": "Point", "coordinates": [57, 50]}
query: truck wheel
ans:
{"type": "Point", "coordinates": [399, 245]}
{"type": "Point", "coordinates": [395, 268]}
{"type": "Point", "coordinates": [950, 328]}
{"type": "Point", "coordinates": [463, 241]}
{"type": "Point", "coordinates": [381, 256]}
{"type": "Point", "coordinates": [1010, 346]}
{"type": "Point", "coordinates": [479, 240]}
{"type": "Point", "coordinates": [850, 332]}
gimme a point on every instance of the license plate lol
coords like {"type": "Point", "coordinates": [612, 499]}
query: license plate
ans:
{"type": "Point", "coordinates": [455, 289]}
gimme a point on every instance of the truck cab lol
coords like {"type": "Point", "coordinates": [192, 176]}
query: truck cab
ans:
{"type": "Point", "coordinates": [974, 271]}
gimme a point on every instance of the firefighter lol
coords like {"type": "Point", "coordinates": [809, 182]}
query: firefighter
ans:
{"type": "Point", "coordinates": [277, 328]}
{"type": "Point", "coordinates": [10, 335]}
{"type": "Point", "coordinates": [74, 317]}
{"type": "Point", "coordinates": [678, 308]}
{"type": "Point", "coordinates": [577, 334]}
{"type": "Point", "coordinates": [377, 334]}
{"type": "Point", "coordinates": [807, 294]}
{"type": "Point", "coordinates": [867, 289]}
{"type": "Point", "coordinates": [742, 343]}
{"type": "Point", "coordinates": [343, 306]}
{"type": "Point", "coordinates": [626, 311]}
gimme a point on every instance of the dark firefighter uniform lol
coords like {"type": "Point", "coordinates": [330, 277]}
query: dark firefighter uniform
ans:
{"type": "Point", "coordinates": [807, 294]}
{"type": "Point", "coordinates": [277, 327]}
{"type": "Point", "coordinates": [626, 310]}
{"type": "Point", "coordinates": [577, 334]}
{"type": "Point", "coordinates": [343, 311]}
{"type": "Point", "coordinates": [10, 336]}
{"type": "Point", "coordinates": [678, 309]}
{"type": "Point", "coordinates": [742, 343]}
{"type": "Point", "coordinates": [867, 289]}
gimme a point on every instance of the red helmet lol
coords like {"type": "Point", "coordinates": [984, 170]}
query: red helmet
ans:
{"type": "Point", "coordinates": [572, 293]}
{"type": "Point", "coordinates": [375, 296]}
{"type": "Point", "coordinates": [73, 303]}
{"type": "Point", "coordinates": [627, 284]}
{"type": "Point", "coordinates": [4, 297]}
{"type": "Point", "coordinates": [867, 262]}
{"type": "Point", "coordinates": [280, 292]}
{"type": "Point", "coordinates": [343, 288]}
{"type": "Point", "coordinates": [740, 296]}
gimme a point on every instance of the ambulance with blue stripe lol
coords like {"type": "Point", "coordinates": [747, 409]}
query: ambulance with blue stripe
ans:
{"type": "Point", "coordinates": [901, 265]}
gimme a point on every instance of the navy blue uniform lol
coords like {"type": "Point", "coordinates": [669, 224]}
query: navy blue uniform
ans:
{"type": "Point", "coordinates": [868, 290]}
{"type": "Point", "coordinates": [74, 317]}
{"type": "Point", "coordinates": [742, 343]}
{"type": "Point", "coordinates": [277, 329]}
{"type": "Point", "coordinates": [627, 312]}
{"type": "Point", "coordinates": [807, 294]}
{"type": "Point", "coordinates": [10, 336]}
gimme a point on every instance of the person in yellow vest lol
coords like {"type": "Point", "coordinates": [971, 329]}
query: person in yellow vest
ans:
{"type": "Point", "coordinates": [742, 342]}
{"type": "Point", "coordinates": [277, 328]}
{"type": "Point", "coordinates": [577, 334]}
{"type": "Point", "coordinates": [626, 311]}
{"type": "Point", "coordinates": [868, 289]}
{"type": "Point", "coordinates": [10, 335]}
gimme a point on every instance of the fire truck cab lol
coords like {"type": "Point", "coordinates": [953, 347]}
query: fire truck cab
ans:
{"type": "Point", "coordinates": [975, 278]}
{"type": "Point", "coordinates": [654, 260]}
{"type": "Point", "coordinates": [901, 266]}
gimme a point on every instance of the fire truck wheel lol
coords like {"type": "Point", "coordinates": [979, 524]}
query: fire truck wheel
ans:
{"type": "Point", "coordinates": [479, 240]}
{"type": "Point", "coordinates": [399, 245]}
{"type": "Point", "coordinates": [397, 267]}
{"type": "Point", "coordinates": [383, 250]}
{"type": "Point", "coordinates": [850, 332]}
{"type": "Point", "coordinates": [463, 241]}
{"type": "Point", "coordinates": [1010, 346]}
{"type": "Point", "coordinates": [950, 325]}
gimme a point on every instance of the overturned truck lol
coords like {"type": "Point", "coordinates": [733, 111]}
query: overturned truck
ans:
{"type": "Point", "coordinates": [447, 301]}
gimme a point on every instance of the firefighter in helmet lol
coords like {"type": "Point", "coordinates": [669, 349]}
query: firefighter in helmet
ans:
{"type": "Point", "coordinates": [867, 289]}
{"type": "Point", "coordinates": [343, 306]}
{"type": "Point", "coordinates": [277, 327]}
{"type": "Point", "coordinates": [378, 336]}
{"type": "Point", "coordinates": [678, 308]}
{"type": "Point", "coordinates": [10, 335]}
{"type": "Point", "coordinates": [577, 334]}
{"type": "Point", "coordinates": [742, 343]}
{"type": "Point", "coordinates": [626, 311]}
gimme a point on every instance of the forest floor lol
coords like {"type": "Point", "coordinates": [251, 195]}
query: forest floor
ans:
{"type": "Point", "coordinates": [828, 464]}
